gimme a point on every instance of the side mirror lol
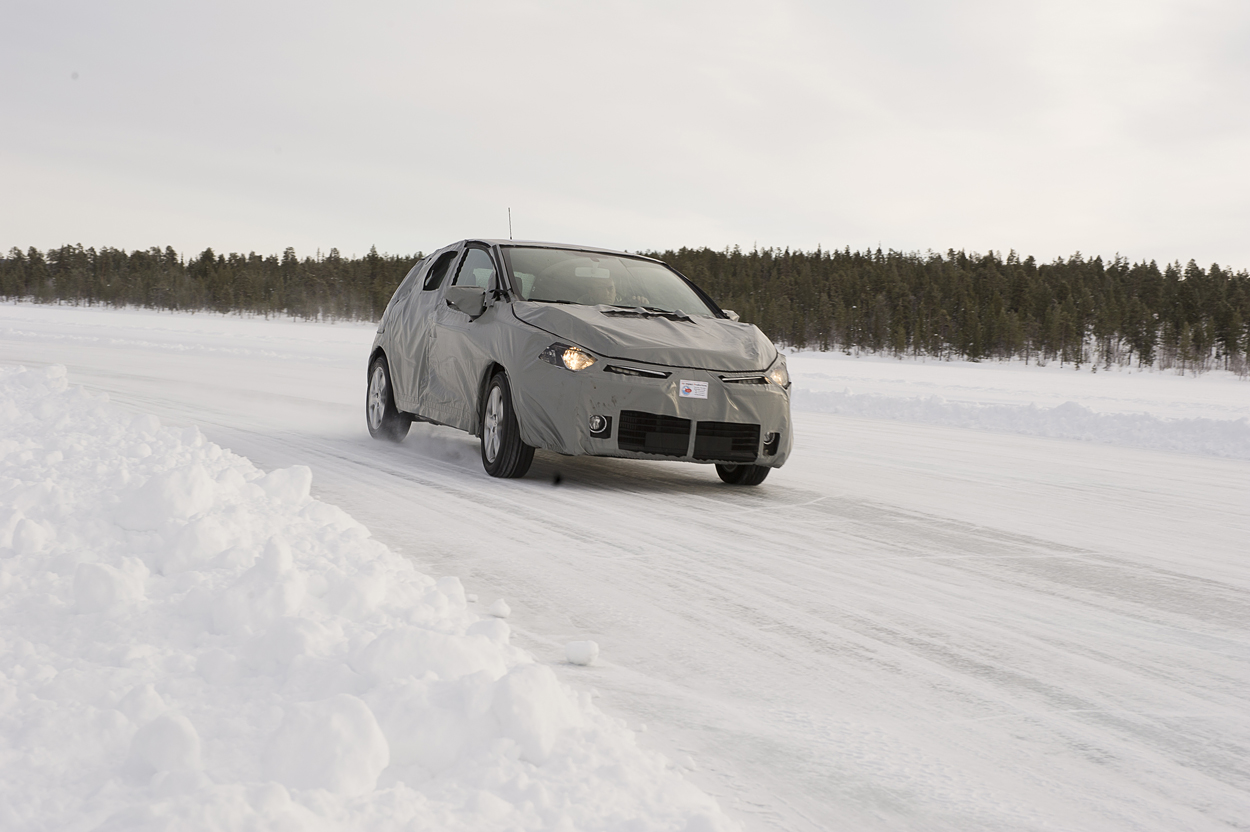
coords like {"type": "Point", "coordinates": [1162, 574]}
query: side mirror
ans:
{"type": "Point", "coordinates": [471, 300]}
{"type": "Point", "coordinates": [730, 314]}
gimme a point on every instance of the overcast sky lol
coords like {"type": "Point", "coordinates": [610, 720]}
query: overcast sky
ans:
{"type": "Point", "coordinates": [1047, 127]}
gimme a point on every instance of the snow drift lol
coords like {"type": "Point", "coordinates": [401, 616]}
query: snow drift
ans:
{"type": "Point", "coordinates": [187, 642]}
{"type": "Point", "coordinates": [1070, 420]}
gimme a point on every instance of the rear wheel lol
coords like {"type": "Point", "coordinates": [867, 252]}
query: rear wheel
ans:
{"type": "Point", "coordinates": [742, 474]}
{"type": "Point", "coordinates": [503, 453]}
{"type": "Point", "coordinates": [384, 419]}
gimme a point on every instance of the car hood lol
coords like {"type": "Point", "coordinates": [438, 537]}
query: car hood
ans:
{"type": "Point", "coordinates": [706, 343]}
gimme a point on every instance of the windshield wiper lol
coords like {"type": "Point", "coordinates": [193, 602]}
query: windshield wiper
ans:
{"type": "Point", "coordinates": [654, 311]}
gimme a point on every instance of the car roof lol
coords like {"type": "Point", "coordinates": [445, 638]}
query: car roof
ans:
{"type": "Point", "coordinates": [542, 244]}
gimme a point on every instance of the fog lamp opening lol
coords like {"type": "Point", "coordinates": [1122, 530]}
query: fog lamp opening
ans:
{"type": "Point", "coordinates": [600, 426]}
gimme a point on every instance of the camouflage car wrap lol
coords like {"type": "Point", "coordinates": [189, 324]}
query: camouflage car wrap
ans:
{"type": "Point", "coordinates": [703, 388]}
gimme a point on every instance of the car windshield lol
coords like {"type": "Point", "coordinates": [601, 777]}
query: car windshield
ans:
{"type": "Point", "coordinates": [589, 278]}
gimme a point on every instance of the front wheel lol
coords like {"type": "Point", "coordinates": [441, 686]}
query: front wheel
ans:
{"type": "Point", "coordinates": [742, 474]}
{"type": "Point", "coordinates": [503, 453]}
{"type": "Point", "coordinates": [384, 419]}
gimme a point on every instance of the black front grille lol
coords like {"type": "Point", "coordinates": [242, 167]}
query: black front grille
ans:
{"type": "Point", "coordinates": [727, 441]}
{"type": "Point", "coordinates": [653, 434]}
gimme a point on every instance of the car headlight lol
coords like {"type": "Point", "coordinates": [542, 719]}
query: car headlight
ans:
{"type": "Point", "coordinates": [778, 374]}
{"type": "Point", "coordinates": [570, 358]}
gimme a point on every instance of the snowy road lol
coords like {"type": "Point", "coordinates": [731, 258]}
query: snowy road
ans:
{"type": "Point", "coordinates": [908, 627]}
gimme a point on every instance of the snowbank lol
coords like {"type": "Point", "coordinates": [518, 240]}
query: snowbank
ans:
{"type": "Point", "coordinates": [1070, 420]}
{"type": "Point", "coordinates": [187, 642]}
{"type": "Point", "coordinates": [1207, 414]}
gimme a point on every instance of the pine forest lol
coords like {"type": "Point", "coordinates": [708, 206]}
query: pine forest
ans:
{"type": "Point", "coordinates": [1080, 311]}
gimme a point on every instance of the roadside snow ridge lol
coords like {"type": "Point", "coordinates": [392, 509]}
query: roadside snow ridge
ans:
{"type": "Point", "coordinates": [187, 642]}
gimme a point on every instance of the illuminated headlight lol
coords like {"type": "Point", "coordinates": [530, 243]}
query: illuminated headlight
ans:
{"type": "Point", "coordinates": [571, 358]}
{"type": "Point", "coordinates": [778, 374]}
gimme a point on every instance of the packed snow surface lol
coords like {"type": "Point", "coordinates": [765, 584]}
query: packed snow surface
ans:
{"type": "Point", "coordinates": [1207, 414]}
{"type": "Point", "coordinates": [964, 604]}
{"type": "Point", "coordinates": [187, 642]}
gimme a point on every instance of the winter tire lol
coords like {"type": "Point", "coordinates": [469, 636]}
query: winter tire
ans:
{"type": "Point", "coordinates": [503, 453]}
{"type": "Point", "coordinates": [742, 474]}
{"type": "Point", "coordinates": [384, 419]}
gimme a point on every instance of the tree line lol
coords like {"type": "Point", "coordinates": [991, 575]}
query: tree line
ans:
{"type": "Point", "coordinates": [985, 306]}
{"type": "Point", "coordinates": [322, 287]}
{"type": "Point", "coordinates": [974, 306]}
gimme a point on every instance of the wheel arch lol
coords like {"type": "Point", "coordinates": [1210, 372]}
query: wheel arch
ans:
{"type": "Point", "coordinates": [373, 356]}
{"type": "Point", "coordinates": [392, 423]}
{"type": "Point", "coordinates": [483, 384]}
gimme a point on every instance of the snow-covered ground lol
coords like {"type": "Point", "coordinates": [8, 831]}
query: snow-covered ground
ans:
{"type": "Point", "coordinates": [1208, 414]}
{"type": "Point", "coordinates": [187, 642]}
{"type": "Point", "coordinates": [970, 601]}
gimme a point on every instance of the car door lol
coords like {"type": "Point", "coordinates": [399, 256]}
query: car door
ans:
{"type": "Point", "coordinates": [412, 327]}
{"type": "Point", "coordinates": [457, 356]}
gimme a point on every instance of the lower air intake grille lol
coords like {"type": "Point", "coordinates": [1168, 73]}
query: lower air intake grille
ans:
{"type": "Point", "coordinates": [654, 434]}
{"type": "Point", "coordinates": [728, 441]}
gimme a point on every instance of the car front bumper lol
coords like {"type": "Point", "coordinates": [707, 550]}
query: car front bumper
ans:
{"type": "Point", "coordinates": [649, 417]}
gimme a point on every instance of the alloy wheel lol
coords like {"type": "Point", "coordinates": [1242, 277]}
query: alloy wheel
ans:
{"type": "Point", "coordinates": [491, 431]}
{"type": "Point", "coordinates": [377, 397]}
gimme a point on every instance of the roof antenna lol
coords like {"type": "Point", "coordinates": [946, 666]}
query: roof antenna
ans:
{"type": "Point", "coordinates": [509, 223]}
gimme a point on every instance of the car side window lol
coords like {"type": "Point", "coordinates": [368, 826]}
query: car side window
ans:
{"type": "Point", "coordinates": [476, 269]}
{"type": "Point", "coordinates": [438, 271]}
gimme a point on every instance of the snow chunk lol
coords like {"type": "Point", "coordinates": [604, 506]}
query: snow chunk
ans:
{"type": "Point", "coordinates": [532, 710]}
{"type": "Point", "coordinates": [495, 629]}
{"type": "Point", "coordinates": [500, 609]}
{"type": "Point", "coordinates": [29, 537]}
{"type": "Point", "coordinates": [176, 495]}
{"type": "Point", "coordinates": [10, 518]}
{"type": "Point", "coordinates": [581, 652]}
{"type": "Point", "coordinates": [143, 704]}
{"type": "Point", "coordinates": [196, 544]}
{"type": "Point", "coordinates": [334, 744]}
{"type": "Point", "coordinates": [260, 595]}
{"type": "Point", "coordinates": [167, 743]}
{"type": "Point", "coordinates": [217, 667]}
{"type": "Point", "coordinates": [145, 426]}
{"type": "Point", "coordinates": [414, 651]}
{"type": "Point", "coordinates": [289, 486]}
{"type": "Point", "coordinates": [453, 589]}
{"type": "Point", "coordinates": [277, 558]}
{"type": "Point", "coordinates": [99, 587]}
